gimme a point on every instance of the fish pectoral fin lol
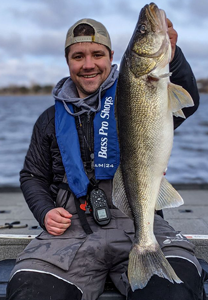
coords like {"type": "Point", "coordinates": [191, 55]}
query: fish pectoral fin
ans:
{"type": "Point", "coordinates": [179, 113]}
{"type": "Point", "coordinates": [119, 197]}
{"type": "Point", "coordinates": [144, 262]}
{"type": "Point", "coordinates": [168, 196]}
{"type": "Point", "coordinates": [178, 99]}
{"type": "Point", "coordinates": [165, 75]}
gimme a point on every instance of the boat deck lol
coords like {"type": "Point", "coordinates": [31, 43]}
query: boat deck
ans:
{"type": "Point", "coordinates": [191, 219]}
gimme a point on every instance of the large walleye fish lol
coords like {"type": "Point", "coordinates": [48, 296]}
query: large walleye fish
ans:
{"type": "Point", "coordinates": [145, 105]}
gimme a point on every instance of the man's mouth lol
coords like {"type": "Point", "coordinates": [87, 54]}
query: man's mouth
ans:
{"type": "Point", "coordinates": [89, 76]}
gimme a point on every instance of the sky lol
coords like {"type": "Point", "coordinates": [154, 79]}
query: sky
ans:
{"type": "Point", "coordinates": [33, 34]}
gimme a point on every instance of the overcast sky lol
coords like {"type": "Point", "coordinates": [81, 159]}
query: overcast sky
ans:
{"type": "Point", "coordinates": [33, 33]}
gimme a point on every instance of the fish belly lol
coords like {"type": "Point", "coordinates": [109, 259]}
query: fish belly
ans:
{"type": "Point", "coordinates": [145, 127]}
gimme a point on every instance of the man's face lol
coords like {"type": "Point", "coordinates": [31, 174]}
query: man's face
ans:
{"type": "Point", "coordinates": [89, 66]}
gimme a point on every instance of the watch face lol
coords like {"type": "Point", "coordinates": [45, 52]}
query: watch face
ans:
{"type": "Point", "coordinates": [102, 214]}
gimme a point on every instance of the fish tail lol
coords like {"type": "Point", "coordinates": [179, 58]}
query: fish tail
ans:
{"type": "Point", "coordinates": [144, 262]}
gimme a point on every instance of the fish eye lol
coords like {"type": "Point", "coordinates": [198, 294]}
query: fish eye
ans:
{"type": "Point", "coordinates": [142, 28]}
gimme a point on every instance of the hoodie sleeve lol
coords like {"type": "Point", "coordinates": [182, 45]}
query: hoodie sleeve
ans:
{"type": "Point", "coordinates": [182, 75]}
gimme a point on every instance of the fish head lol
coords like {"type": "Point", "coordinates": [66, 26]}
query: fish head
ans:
{"type": "Point", "coordinates": [150, 44]}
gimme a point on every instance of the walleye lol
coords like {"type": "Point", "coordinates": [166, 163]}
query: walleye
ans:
{"type": "Point", "coordinates": [145, 105]}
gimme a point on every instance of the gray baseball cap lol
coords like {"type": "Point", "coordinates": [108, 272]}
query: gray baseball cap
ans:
{"type": "Point", "coordinates": [101, 34]}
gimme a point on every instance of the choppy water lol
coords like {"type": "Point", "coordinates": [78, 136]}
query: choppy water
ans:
{"type": "Point", "coordinates": [188, 162]}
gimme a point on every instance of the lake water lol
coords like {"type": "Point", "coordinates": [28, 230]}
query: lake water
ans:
{"type": "Point", "coordinates": [188, 162]}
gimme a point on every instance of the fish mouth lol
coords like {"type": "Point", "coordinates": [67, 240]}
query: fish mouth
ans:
{"type": "Point", "coordinates": [156, 18]}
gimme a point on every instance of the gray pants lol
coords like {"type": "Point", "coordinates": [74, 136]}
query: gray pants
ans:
{"type": "Point", "coordinates": [85, 260]}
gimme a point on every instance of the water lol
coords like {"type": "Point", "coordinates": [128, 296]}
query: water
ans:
{"type": "Point", "coordinates": [188, 162]}
{"type": "Point", "coordinates": [17, 115]}
{"type": "Point", "coordinates": [189, 158]}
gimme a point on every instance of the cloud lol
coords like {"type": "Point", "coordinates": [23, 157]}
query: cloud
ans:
{"type": "Point", "coordinates": [11, 44]}
{"type": "Point", "coordinates": [197, 9]}
{"type": "Point", "coordinates": [196, 54]}
{"type": "Point", "coordinates": [120, 42]}
{"type": "Point", "coordinates": [46, 44]}
{"type": "Point", "coordinates": [191, 10]}
{"type": "Point", "coordinates": [26, 72]}
{"type": "Point", "coordinates": [53, 14]}
{"type": "Point", "coordinates": [34, 33]}
{"type": "Point", "coordinates": [194, 49]}
{"type": "Point", "coordinates": [50, 44]}
{"type": "Point", "coordinates": [127, 9]}
{"type": "Point", "coordinates": [46, 24]}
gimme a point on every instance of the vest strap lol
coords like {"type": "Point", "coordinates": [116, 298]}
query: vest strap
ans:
{"type": "Point", "coordinates": [82, 216]}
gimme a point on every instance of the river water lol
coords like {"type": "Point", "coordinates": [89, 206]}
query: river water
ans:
{"type": "Point", "coordinates": [188, 163]}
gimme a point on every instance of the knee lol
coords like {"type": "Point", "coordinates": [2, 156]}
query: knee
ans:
{"type": "Point", "coordinates": [26, 285]}
{"type": "Point", "coordinates": [161, 288]}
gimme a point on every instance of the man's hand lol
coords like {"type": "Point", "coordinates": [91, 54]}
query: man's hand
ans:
{"type": "Point", "coordinates": [173, 37]}
{"type": "Point", "coordinates": [57, 220]}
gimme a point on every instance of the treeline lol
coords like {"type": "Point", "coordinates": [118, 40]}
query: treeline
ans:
{"type": "Point", "coordinates": [34, 89]}
{"type": "Point", "coordinates": [202, 85]}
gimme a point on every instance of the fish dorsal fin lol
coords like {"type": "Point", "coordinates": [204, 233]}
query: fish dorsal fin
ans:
{"type": "Point", "coordinates": [178, 99]}
{"type": "Point", "coordinates": [168, 196]}
{"type": "Point", "coordinates": [119, 195]}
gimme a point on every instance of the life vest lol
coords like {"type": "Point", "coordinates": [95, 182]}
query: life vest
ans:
{"type": "Point", "coordinates": [106, 146]}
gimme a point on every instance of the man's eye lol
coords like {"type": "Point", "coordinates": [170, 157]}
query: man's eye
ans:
{"type": "Point", "coordinates": [98, 55]}
{"type": "Point", "coordinates": [77, 57]}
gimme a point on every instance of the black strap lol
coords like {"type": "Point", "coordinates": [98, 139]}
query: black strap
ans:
{"type": "Point", "coordinates": [93, 184]}
{"type": "Point", "coordinates": [80, 212]}
{"type": "Point", "coordinates": [82, 217]}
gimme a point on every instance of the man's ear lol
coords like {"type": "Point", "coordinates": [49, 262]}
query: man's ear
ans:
{"type": "Point", "coordinates": [112, 53]}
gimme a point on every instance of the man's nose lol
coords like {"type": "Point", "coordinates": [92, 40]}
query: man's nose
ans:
{"type": "Point", "coordinates": [88, 63]}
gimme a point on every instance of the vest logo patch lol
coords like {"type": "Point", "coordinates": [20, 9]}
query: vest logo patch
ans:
{"type": "Point", "coordinates": [103, 130]}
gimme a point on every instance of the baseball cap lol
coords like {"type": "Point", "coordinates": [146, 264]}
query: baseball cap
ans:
{"type": "Point", "coordinates": [101, 35]}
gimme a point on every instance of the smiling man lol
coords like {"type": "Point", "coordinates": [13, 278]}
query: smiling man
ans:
{"type": "Point", "coordinates": [89, 66]}
{"type": "Point", "coordinates": [89, 59]}
{"type": "Point", "coordinates": [67, 183]}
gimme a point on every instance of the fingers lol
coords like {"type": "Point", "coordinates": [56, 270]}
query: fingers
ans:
{"type": "Point", "coordinates": [57, 221]}
{"type": "Point", "coordinates": [170, 24]}
{"type": "Point", "coordinates": [63, 212]}
{"type": "Point", "coordinates": [173, 35]}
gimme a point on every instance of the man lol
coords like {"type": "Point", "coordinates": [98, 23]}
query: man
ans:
{"type": "Point", "coordinates": [78, 248]}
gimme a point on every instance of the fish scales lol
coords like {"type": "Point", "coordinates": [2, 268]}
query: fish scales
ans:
{"type": "Point", "coordinates": [145, 104]}
{"type": "Point", "coordinates": [139, 119]}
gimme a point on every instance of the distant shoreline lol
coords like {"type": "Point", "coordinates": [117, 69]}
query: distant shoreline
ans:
{"type": "Point", "coordinates": [37, 89]}
{"type": "Point", "coordinates": [28, 94]}
{"type": "Point", "coordinates": [202, 85]}
{"type": "Point", "coordinates": [26, 91]}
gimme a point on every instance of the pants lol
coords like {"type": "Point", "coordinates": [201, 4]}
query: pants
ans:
{"type": "Point", "coordinates": [37, 286]}
{"type": "Point", "coordinates": [81, 263]}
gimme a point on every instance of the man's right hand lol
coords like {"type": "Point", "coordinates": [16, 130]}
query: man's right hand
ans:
{"type": "Point", "coordinates": [57, 220]}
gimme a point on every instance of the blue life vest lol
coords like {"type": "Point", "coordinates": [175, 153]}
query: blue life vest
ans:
{"type": "Point", "coordinates": [106, 146]}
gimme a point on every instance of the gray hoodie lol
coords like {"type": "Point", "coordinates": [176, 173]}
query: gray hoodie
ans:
{"type": "Point", "coordinates": [66, 91]}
